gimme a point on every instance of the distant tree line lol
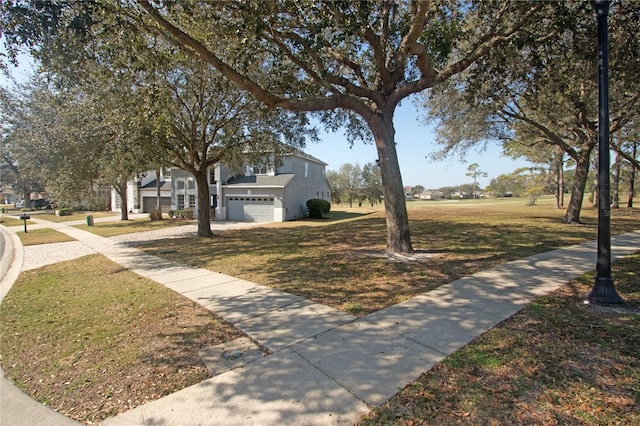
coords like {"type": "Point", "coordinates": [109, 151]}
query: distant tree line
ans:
{"type": "Point", "coordinates": [352, 183]}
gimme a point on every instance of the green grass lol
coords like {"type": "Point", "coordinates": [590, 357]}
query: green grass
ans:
{"type": "Point", "coordinates": [42, 236]}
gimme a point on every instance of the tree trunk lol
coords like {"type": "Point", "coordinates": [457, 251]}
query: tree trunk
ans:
{"type": "Point", "coordinates": [561, 183]}
{"type": "Point", "coordinates": [158, 186]}
{"type": "Point", "coordinates": [632, 180]}
{"type": "Point", "coordinates": [204, 209]}
{"type": "Point", "coordinates": [558, 180]}
{"type": "Point", "coordinates": [398, 236]}
{"type": "Point", "coordinates": [121, 190]}
{"type": "Point", "coordinates": [27, 199]}
{"type": "Point", "coordinates": [596, 183]}
{"type": "Point", "coordinates": [577, 193]}
{"type": "Point", "coordinates": [615, 183]}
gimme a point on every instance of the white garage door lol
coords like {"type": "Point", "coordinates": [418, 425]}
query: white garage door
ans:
{"type": "Point", "coordinates": [149, 204]}
{"type": "Point", "coordinates": [250, 209]}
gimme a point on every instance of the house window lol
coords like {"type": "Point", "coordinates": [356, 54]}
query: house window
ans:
{"type": "Point", "coordinates": [212, 175]}
{"type": "Point", "coordinates": [166, 172]}
{"type": "Point", "coordinates": [180, 201]}
{"type": "Point", "coordinates": [180, 184]}
{"type": "Point", "coordinates": [192, 200]}
{"type": "Point", "coordinates": [259, 169]}
{"type": "Point", "coordinates": [191, 184]}
{"type": "Point", "coordinates": [306, 169]}
{"type": "Point", "coordinates": [118, 201]}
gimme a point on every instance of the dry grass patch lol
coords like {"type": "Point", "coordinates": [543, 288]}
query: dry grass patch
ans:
{"type": "Point", "coordinates": [342, 263]}
{"type": "Point", "coordinates": [558, 361]}
{"type": "Point", "coordinates": [12, 221]}
{"type": "Point", "coordinates": [52, 217]}
{"type": "Point", "coordinates": [92, 340]}
{"type": "Point", "coordinates": [43, 236]}
{"type": "Point", "coordinates": [110, 229]}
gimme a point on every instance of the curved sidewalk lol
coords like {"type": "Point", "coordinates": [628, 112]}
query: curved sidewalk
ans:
{"type": "Point", "coordinates": [325, 366]}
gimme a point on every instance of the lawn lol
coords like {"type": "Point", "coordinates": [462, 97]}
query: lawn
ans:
{"type": "Point", "coordinates": [341, 263]}
{"type": "Point", "coordinates": [82, 215]}
{"type": "Point", "coordinates": [90, 339]}
{"type": "Point", "coordinates": [110, 229]}
{"type": "Point", "coordinates": [42, 236]}
{"type": "Point", "coordinates": [558, 361]}
{"type": "Point", "coordinates": [12, 221]}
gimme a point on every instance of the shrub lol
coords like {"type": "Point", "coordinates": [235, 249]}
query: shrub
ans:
{"type": "Point", "coordinates": [318, 208]}
{"type": "Point", "coordinates": [155, 215]}
{"type": "Point", "coordinates": [65, 211]}
{"type": "Point", "coordinates": [184, 214]}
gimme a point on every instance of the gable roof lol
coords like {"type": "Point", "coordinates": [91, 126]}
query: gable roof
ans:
{"type": "Point", "coordinates": [306, 156]}
{"type": "Point", "coordinates": [279, 181]}
{"type": "Point", "coordinates": [164, 185]}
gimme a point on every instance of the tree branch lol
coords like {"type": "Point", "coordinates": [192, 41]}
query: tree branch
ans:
{"type": "Point", "coordinates": [486, 44]}
{"type": "Point", "coordinates": [185, 39]}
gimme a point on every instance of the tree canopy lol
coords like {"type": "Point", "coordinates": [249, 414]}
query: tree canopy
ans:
{"type": "Point", "coordinates": [351, 62]}
{"type": "Point", "coordinates": [546, 95]}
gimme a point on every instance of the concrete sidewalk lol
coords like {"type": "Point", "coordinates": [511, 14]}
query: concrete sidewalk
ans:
{"type": "Point", "coordinates": [325, 366]}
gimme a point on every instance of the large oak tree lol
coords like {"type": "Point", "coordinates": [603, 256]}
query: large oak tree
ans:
{"type": "Point", "coordinates": [352, 62]}
{"type": "Point", "coordinates": [356, 59]}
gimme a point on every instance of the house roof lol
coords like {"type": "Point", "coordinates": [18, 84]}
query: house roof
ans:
{"type": "Point", "coordinates": [164, 185]}
{"type": "Point", "coordinates": [309, 157]}
{"type": "Point", "coordinates": [279, 181]}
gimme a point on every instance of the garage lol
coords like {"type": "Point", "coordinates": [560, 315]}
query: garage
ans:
{"type": "Point", "coordinates": [149, 204]}
{"type": "Point", "coordinates": [250, 209]}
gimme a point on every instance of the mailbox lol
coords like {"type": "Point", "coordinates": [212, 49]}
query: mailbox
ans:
{"type": "Point", "coordinates": [25, 217]}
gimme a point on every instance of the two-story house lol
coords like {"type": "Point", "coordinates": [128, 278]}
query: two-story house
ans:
{"type": "Point", "coordinates": [258, 192]}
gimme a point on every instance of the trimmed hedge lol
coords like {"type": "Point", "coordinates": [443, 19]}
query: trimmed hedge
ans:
{"type": "Point", "coordinates": [181, 214]}
{"type": "Point", "coordinates": [65, 211]}
{"type": "Point", "coordinates": [317, 208]}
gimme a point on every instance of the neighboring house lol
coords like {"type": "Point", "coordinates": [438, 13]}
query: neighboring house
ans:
{"type": "Point", "coordinates": [431, 195]}
{"type": "Point", "coordinates": [259, 192]}
{"type": "Point", "coordinates": [7, 195]}
{"type": "Point", "coordinates": [142, 193]}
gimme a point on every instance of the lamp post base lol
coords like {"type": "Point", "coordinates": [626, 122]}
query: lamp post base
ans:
{"type": "Point", "coordinates": [604, 292]}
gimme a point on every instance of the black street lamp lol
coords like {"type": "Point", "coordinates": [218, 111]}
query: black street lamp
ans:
{"type": "Point", "coordinates": [603, 291]}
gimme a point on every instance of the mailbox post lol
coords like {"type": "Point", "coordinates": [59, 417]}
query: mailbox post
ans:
{"type": "Point", "coordinates": [24, 218]}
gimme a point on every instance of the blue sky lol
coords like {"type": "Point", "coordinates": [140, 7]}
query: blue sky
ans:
{"type": "Point", "coordinates": [414, 142]}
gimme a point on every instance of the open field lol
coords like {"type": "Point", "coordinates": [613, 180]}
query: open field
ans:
{"type": "Point", "coordinates": [342, 263]}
